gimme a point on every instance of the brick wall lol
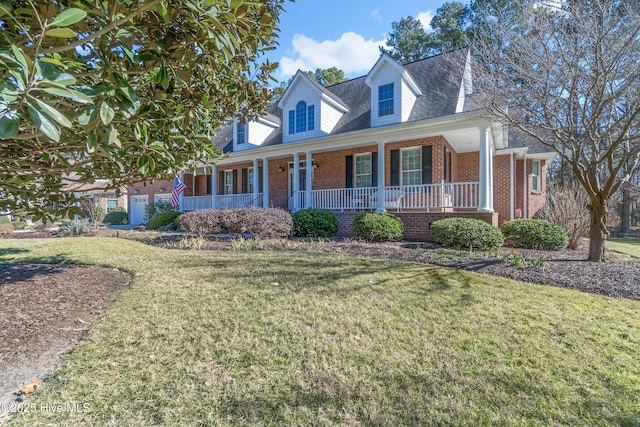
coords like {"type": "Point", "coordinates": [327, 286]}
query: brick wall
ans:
{"type": "Point", "coordinates": [502, 187]}
{"type": "Point", "coordinates": [416, 224]}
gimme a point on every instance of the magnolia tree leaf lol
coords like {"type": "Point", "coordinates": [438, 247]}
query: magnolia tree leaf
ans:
{"type": "Point", "coordinates": [61, 32]}
{"type": "Point", "coordinates": [68, 17]}
{"type": "Point", "coordinates": [106, 113]}
{"type": "Point", "coordinates": [44, 124]}
{"type": "Point", "coordinates": [9, 126]}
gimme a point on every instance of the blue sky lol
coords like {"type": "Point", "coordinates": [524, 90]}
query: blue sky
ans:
{"type": "Point", "coordinates": [341, 33]}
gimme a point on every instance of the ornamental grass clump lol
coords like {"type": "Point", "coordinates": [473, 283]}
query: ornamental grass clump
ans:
{"type": "Point", "coordinates": [466, 233]}
{"type": "Point", "coordinates": [534, 234]}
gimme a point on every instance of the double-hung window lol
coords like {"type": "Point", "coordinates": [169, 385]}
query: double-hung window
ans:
{"type": "Point", "coordinates": [363, 170]}
{"type": "Point", "coordinates": [250, 180]}
{"type": "Point", "coordinates": [302, 119]}
{"type": "Point", "coordinates": [411, 166]}
{"type": "Point", "coordinates": [228, 182]}
{"type": "Point", "coordinates": [112, 204]}
{"type": "Point", "coordinates": [385, 100]}
{"type": "Point", "coordinates": [535, 175]}
{"type": "Point", "coordinates": [242, 133]}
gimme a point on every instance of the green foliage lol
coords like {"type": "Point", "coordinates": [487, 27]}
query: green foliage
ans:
{"type": "Point", "coordinates": [119, 209]}
{"type": "Point", "coordinates": [315, 223]}
{"type": "Point", "coordinates": [6, 228]}
{"type": "Point", "coordinates": [19, 225]}
{"type": "Point", "coordinates": [116, 218]}
{"type": "Point", "coordinates": [4, 219]}
{"type": "Point", "coordinates": [158, 207]}
{"type": "Point", "coordinates": [466, 233]}
{"type": "Point", "coordinates": [409, 41]}
{"type": "Point", "coordinates": [261, 223]}
{"type": "Point", "coordinates": [534, 234]}
{"type": "Point", "coordinates": [103, 113]}
{"type": "Point", "coordinates": [73, 227]}
{"type": "Point", "coordinates": [378, 226]}
{"type": "Point", "coordinates": [162, 219]}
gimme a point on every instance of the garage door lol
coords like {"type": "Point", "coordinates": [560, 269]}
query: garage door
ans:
{"type": "Point", "coordinates": [138, 209]}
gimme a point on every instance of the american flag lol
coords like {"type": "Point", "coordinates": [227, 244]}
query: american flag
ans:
{"type": "Point", "coordinates": [178, 188]}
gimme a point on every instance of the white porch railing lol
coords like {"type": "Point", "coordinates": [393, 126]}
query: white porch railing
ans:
{"type": "Point", "coordinates": [460, 195]}
{"type": "Point", "coordinates": [194, 203]}
{"type": "Point", "coordinates": [231, 201]}
{"type": "Point", "coordinates": [228, 201]}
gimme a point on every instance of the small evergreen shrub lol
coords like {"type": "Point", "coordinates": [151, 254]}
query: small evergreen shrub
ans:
{"type": "Point", "coordinates": [378, 226]}
{"type": "Point", "coordinates": [466, 233]}
{"type": "Point", "coordinates": [19, 225]}
{"type": "Point", "coordinates": [6, 228]}
{"type": "Point", "coordinates": [315, 223]}
{"type": "Point", "coordinates": [268, 223]}
{"type": "Point", "coordinates": [4, 219]}
{"type": "Point", "coordinates": [116, 218]}
{"type": "Point", "coordinates": [534, 234]}
{"type": "Point", "coordinates": [162, 219]}
{"type": "Point", "coordinates": [73, 227]}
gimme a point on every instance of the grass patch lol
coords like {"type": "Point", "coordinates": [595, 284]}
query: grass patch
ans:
{"type": "Point", "coordinates": [625, 245]}
{"type": "Point", "coordinates": [281, 338]}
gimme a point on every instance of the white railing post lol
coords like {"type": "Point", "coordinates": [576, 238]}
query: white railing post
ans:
{"type": "Point", "coordinates": [309, 181]}
{"type": "Point", "coordinates": [381, 166]}
{"type": "Point", "coordinates": [265, 183]}
{"type": "Point", "coordinates": [296, 182]}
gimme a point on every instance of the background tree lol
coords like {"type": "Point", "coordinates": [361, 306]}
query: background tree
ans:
{"type": "Point", "coordinates": [451, 26]}
{"type": "Point", "coordinates": [122, 90]}
{"type": "Point", "coordinates": [409, 41]}
{"type": "Point", "coordinates": [568, 76]}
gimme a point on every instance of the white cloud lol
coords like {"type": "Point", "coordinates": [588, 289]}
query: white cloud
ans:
{"type": "Point", "coordinates": [351, 53]}
{"type": "Point", "coordinates": [376, 15]}
{"type": "Point", "coordinates": [425, 19]}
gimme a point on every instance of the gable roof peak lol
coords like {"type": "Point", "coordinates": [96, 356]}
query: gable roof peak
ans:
{"type": "Point", "coordinates": [384, 59]}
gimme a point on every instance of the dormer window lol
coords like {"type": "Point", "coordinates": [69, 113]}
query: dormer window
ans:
{"type": "Point", "coordinates": [302, 119]}
{"type": "Point", "coordinates": [385, 100]}
{"type": "Point", "coordinates": [242, 133]}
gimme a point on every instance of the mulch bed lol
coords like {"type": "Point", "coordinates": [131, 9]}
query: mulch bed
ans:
{"type": "Point", "coordinates": [46, 310]}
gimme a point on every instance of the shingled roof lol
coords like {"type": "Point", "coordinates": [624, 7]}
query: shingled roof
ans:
{"type": "Point", "coordinates": [438, 77]}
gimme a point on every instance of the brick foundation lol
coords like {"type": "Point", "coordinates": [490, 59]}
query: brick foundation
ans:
{"type": "Point", "coordinates": [416, 224]}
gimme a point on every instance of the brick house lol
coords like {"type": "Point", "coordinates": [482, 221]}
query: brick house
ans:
{"type": "Point", "coordinates": [404, 139]}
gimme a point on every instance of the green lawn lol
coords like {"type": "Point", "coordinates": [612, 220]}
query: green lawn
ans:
{"type": "Point", "coordinates": [208, 338]}
{"type": "Point", "coordinates": [626, 245]}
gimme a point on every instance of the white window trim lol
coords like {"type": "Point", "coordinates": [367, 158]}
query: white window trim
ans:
{"type": "Point", "coordinates": [535, 178]}
{"type": "Point", "coordinates": [238, 142]}
{"type": "Point", "coordinates": [355, 168]}
{"type": "Point", "coordinates": [392, 99]}
{"type": "Point", "coordinates": [402, 170]}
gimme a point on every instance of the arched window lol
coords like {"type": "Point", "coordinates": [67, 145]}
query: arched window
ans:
{"type": "Point", "coordinates": [302, 118]}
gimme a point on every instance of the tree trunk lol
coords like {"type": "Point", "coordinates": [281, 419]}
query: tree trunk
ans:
{"type": "Point", "coordinates": [625, 215]}
{"type": "Point", "coordinates": [598, 232]}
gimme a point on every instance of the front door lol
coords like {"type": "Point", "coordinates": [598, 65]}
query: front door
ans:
{"type": "Point", "coordinates": [138, 209]}
{"type": "Point", "coordinates": [303, 183]}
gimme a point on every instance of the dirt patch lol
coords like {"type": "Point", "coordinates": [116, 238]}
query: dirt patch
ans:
{"type": "Point", "coordinates": [46, 310]}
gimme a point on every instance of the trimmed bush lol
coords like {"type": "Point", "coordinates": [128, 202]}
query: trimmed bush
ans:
{"type": "Point", "coordinates": [534, 234]}
{"type": "Point", "coordinates": [466, 233]}
{"type": "Point", "coordinates": [6, 228]}
{"type": "Point", "coordinates": [19, 225]}
{"type": "Point", "coordinates": [378, 226]}
{"type": "Point", "coordinates": [73, 227]}
{"type": "Point", "coordinates": [4, 219]}
{"type": "Point", "coordinates": [315, 223]}
{"type": "Point", "coordinates": [262, 223]}
{"type": "Point", "coordinates": [162, 219]}
{"type": "Point", "coordinates": [116, 218]}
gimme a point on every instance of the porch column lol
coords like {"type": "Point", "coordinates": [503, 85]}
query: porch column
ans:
{"type": "Point", "coordinates": [486, 169]}
{"type": "Point", "coordinates": [256, 183]}
{"type": "Point", "coordinates": [296, 182]}
{"type": "Point", "coordinates": [181, 196]}
{"type": "Point", "coordinates": [214, 187]}
{"type": "Point", "coordinates": [380, 178]}
{"type": "Point", "coordinates": [308, 197]}
{"type": "Point", "coordinates": [265, 183]}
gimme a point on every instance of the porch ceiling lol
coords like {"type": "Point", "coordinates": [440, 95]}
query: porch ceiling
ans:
{"type": "Point", "coordinates": [464, 140]}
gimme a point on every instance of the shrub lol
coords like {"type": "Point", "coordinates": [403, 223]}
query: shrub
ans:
{"type": "Point", "coordinates": [315, 223]}
{"type": "Point", "coordinates": [4, 219]}
{"type": "Point", "coordinates": [6, 228]}
{"type": "Point", "coordinates": [378, 226]}
{"type": "Point", "coordinates": [158, 207]}
{"type": "Point", "coordinates": [566, 206]}
{"type": "Point", "coordinates": [19, 225]}
{"type": "Point", "coordinates": [534, 234]}
{"type": "Point", "coordinates": [262, 223]}
{"type": "Point", "coordinates": [119, 209]}
{"type": "Point", "coordinates": [73, 227]}
{"type": "Point", "coordinates": [466, 233]}
{"type": "Point", "coordinates": [116, 218]}
{"type": "Point", "coordinates": [162, 219]}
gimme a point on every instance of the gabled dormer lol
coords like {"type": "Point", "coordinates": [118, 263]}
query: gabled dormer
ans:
{"type": "Point", "coordinates": [308, 110]}
{"type": "Point", "coordinates": [393, 92]}
{"type": "Point", "coordinates": [253, 133]}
